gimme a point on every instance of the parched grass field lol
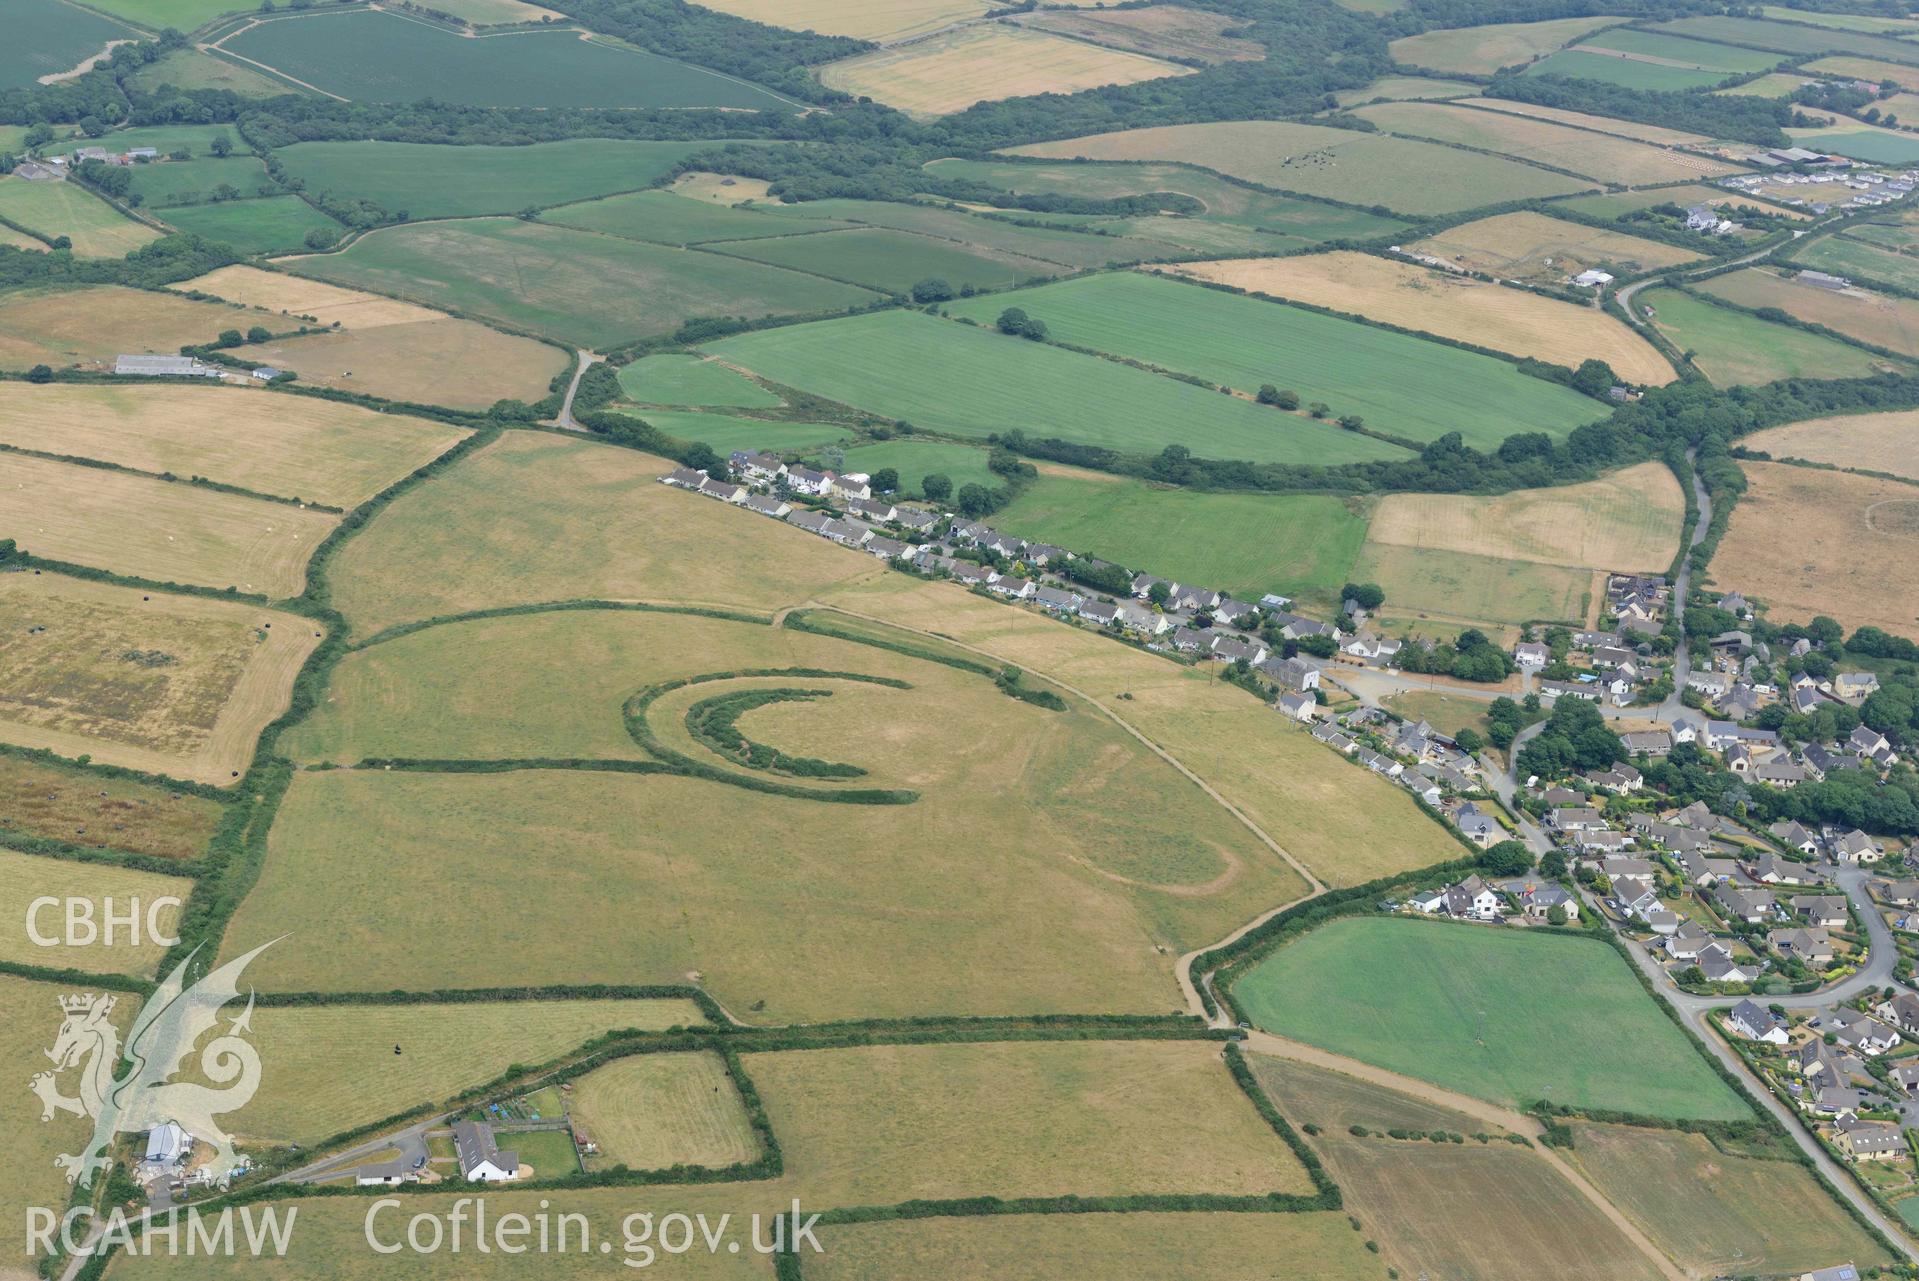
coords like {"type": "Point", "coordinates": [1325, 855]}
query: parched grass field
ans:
{"type": "Point", "coordinates": [269, 225]}
{"type": "Point", "coordinates": [430, 181]}
{"type": "Point", "coordinates": [298, 297]}
{"type": "Point", "coordinates": [1844, 21]}
{"type": "Point", "coordinates": [1161, 31]}
{"type": "Point", "coordinates": [576, 286]}
{"type": "Point", "coordinates": [66, 803]}
{"type": "Point", "coordinates": [1717, 1213]}
{"type": "Point", "coordinates": [728, 432]}
{"type": "Point", "coordinates": [669, 219]}
{"type": "Point", "coordinates": [975, 381]}
{"type": "Point", "coordinates": [1779, 85]}
{"type": "Point", "coordinates": [97, 229]}
{"type": "Point", "coordinates": [1735, 347]}
{"type": "Point", "coordinates": [158, 529]}
{"type": "Point", "coordinates": [1867, 69]}
{"type": "Point", "coordinates": [1061, 240]}
{"type": "Point", "coordinates": [1858, 260]}
{"type": "Point", "coordinates": [1627, 521]}
{"type": "Point", "coordinates": [1658, 134]}
{"type": "Point", "coordinates": [387, 57]}
{"type": "Point", "coordinates": [1146, 1246]}
{"type": "Point", "coordinates": [1813, 542]}
{"type": "Point", "coordinates": [1613, 204]}
{"type": "Point", "coordinates": [26, 877]}
{"type": "Point", "coordinates": [1413, 296]}
{"type": "Point", "coordinates": [192, 69]}
{"type": "Point", "coordinates": [984, 63]}
{"type": "Point", "coordinates": [881, 1124]}
{"type": "Point", "coordinates": [1865, 442]}
{"type": "Point", "coordinates": [878, 20]}
{"type": "Point", "coordinates": [1601, 156]}
{"type": "Point", "coordinates": [1884, 320]}
{"type": "Point", "coordinates": [1674, 50]}
{"type": "Point", "coordinates": [1431, 584]}
{"type": "Point", "coordinates": [178, 685]}
{"type": "Point", "coordinates": [892, 261]}
{"type": "Point", "coordinates": [46, 38]}
{"type": "Point", "coordinates": [1539, 249]}
{"type": "Point", "coordinates": [1462, 1007]}
{"type": "Point", "coordinates": [535, 518]}
{"type": "Point", "coordinates": [1448, 713]}
{"type": "Point", "coordinates": [1309, 1095]}
{"type": "Point", "coordinates": [290, 446]}
{"type": "Point", "coordinates": [332, 1067]}
{"type": "Point", "coordinates": [1401, 174]}
{"type": "Point", "coordinates": [1243, 342]}
{"type": "Point", "coordinates": [1480, 51]}
{"type": "Point", "coordinates": [1618, 69]}
{"type": "Point", "coordinates": [651, 1111]}
{"type": "Point", "coordinates": [1302, 545]}
{"type": "Point", "coordinates": [93, 324]}
{"type": "Point", "coordinates": [685, 379]}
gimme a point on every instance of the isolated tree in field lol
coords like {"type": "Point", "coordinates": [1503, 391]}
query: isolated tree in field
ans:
{"type": "Point", "coordinates": [40, 374]}
{"type": "Point", "coordinates": [932, 289]}
{"type": "Point", "coordinates": [975, 500]}
{"type": "Point", "coordinates": [937, 486]}
{"type": "Point", "coordinates": [886, 480]}
{"type": "Point", "coordinates": [222, 146]}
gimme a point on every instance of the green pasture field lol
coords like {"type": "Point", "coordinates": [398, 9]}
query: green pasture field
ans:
{"type": "Point", "coordinates": [45, 37]}
{"type": "Point", "coordinates": [685, 379]}
{"type": "Point", "coordinates": [652, 1111]}
{"type": "Point", "coordinates": [894, 261]}
{"type": "Point", "coordinates": [667, 219]}
{"type": "Point", "coordinates": [916, 459]}
{"type": "Point", "coordinates": [167, 139]}
{"type": "Point", "coordinates": [1301, 545]}
{"type": "Point", "coordinates": [271, 225]}
{"type": "Point", "coordinates": [97, 229]}
{"type": "Point", "coordinates": [1423, 582]}
{"type": "Point", "coordinates": [385, 57]}
{"type": "Point", "coordinates": [1580, 65]}
{"type": "Point", "coordinates": [727, 432]}
{"type": "Point", "coordinates": [576, 286]}
{"type": "Point", "coordinates": [1875, 146]}
{"type": "Point", "coordinates": [974, 381]}
{"type": "Point", "coordinates": [1697, 53]}
{"type": "Point", "coordinates": [550, 1152]}
{"type": "Point", "coordinates": [1392, 380]}
{"type": "Point", "coordinates": [1790, 38]}
{"type": "Point", "coordinates": [25, 878]}
{"type": "Point", "coordinates": [182, 15]}
{"type": "Point", "coordinates": [1846, 256]}
{"type": "Point", "coordinates": [192, 182]}
{"type": "Point", "coordinates": [1844, 21]}
{"type": "Point", "coordinates": [429, 181]}
{"type": "Point", "coordinates": [193, 69]}
{"type": "Point", "coordinates": [1064, 244]}
{"type": "Point", "coordinates": [1735, 347]}
{"type": "Point", "coordinates": [1462, 1006]}
{"type": "Point", "coordinates": [1901, 236]}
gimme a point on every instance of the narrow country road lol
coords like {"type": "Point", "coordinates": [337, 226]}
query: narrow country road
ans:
{"type": "Point", "coordinates": [566, 418]}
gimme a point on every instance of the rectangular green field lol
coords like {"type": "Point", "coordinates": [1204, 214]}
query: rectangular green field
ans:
{"type": "Point", "coordinates": [1403, 385]}
{"type": "Point", "coordinates": [726, 433]}
{"type": "Point", "coordinates": [1462, 1006]}
{"type": "Point", "coordinates": [429, 181]}
{"type": "Point", "coordinates": [1695, 53]}
{"type": "Point", "coordinates": [1875, 146]}
{"type": "Point", "coordinates": [376, 56]}
{"type": "Point", "coordinates": [1580, 64]}
{"type": "Point", "coordinates": [1792, 38]}
{"type": "Point", "coordinates": [667, 219]}
{"type": "Point", "coordinates": [272, 225]}
{"type": "Point", "coordinates": [1779, 85]}
{"type": "Point", "coordinates": [165, 183]}
{"type": "Point", "coordinates": [97, 229]}
{"type": "Point", "coordinates": [894, 261]}
{"type": "Point", "coordinates": [1428, 583]}
{"type": "Point", "coordinates": [1301, 545]}
{"type": "Point", "coordinates": [1843, 21]}
{"type": "Point", "coordinates": [1845, 256]}
{"type": "Point", "coordinates": [181, 15]}
{"type": "Point", "coordinates": [46, 37]}
{"type": "Point", "coordinates": [1062, 240]}
{"type": "Point", "coordinates": [576, 286]}
{"type": "Point", "coordinates": [685, 379]}
{"type": "Point", "coordinates": [914, 460]}
{"type": "Point", "coordinates": [974, 381]}
{"type": "Point", "coordinates": [1735, 347]}
{"type": "Point", "coordinates": [195, 140]}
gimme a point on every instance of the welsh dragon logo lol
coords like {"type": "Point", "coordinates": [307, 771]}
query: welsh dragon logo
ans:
{"type": "Point", "coordinates": [131, 1091]}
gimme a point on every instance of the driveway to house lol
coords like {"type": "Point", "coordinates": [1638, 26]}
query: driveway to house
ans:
{"type": "Point", "coordinates": [411, 1142]}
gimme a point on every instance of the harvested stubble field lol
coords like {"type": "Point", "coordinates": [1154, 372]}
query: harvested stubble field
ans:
{"type": "Point", "coordinates": [1906, 77]}
{"type": "Point", "coordinates": [66, 804]}
{"type": "Point", "coordinates": [1618, 69]}
{"type": "Point", "coordinates": [1884, 320]}
{"type": "Point", "coordinates": [1626, 521]}
{"type": "Point", "coordinates": [651, 1111]}
{"type": "Point", "coordinates": [536, 518]}
{"type": "Point", "coordinates": [1812, 542]}
{"type": "Point", "coordinates": [1601, 156]}
{"type": "Point", "coordinates": [1865, 442]}
{"type": "Point", "coordinates": [668, 219]}
{"type": "Point", "coordinates": [90, 326]}
{"type": "Point", "coordinates": [1153, 1246]}
{"type": "Point", "coordinates": [1402, 174]}
{"type": "Point", "coordinates": [289, 446]}
{"type": "Point", "coordinates": [26, 877]}
{"type": "Point", "coordinates": [576, 286]}
{"type": "Point", "coordinates": [97, 229]}
{"type": "Point", "coordinates": [1461, 1008]}
{"type": "Point", "coordinates": [1162, 31]}
{"type": "Point", "coordinates": [1735, 347]}
{"type": "Point", "coordinates": [1779, 85]}
{"type": "Point", "coordinates": [332, 1067]}
{"type": "Point", "coordinates": [158, 529]}
{"type": "Point", "coordinates": [877, 20]}
{"type": "Point", "coordinates": [178, 685]}
{"type": "Point", "coordinates": [984, 63]}
{"type": "Point", "coordinates": [1657, 134]}
{"type": "Point", "coordinates": [975, 381]}
{"type": "Point", "coordinates": [1405, 88]}
{"type": "Point", "coordinates": [1717, 1213]}
{"type": "Point", "coordinates": [457, 363]}
{"type": "Point", "coordinates": [1018, 1119]}
{"type": "Point", "coordinates": [1543, 250]}
{"type": "Point", "coordinates": [1413, 296]}
{"type": "Point", "coordinates": [1480, 51]}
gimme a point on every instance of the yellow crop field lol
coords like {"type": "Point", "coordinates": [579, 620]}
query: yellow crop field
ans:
{"type": "Point", "coordinates": [1602, 124]}
{"type": "Point", "coordinates": [1602, 156]}
{"type": "Point", "coordinates": [1480, 51]}
{"type": "Point", "coordinates": [1454, 589]}
{"type": "Point", "coordinates": [1863, 442]}
{"type": "Point", "coordinates": [877, 20]}
{"type": "Point", "coordinates": [880, 1124]}
{"type": "Point", "coordinates": [1416, 297]}
{"type": "Point", "coordinates": [1539, 249]}
{"type": "Point", "coordinates": [157, 529]}
{"type": "Point", "coordinates": [288, 446]}
{"type": "Point", "coordinates": [178, 685]}
{"type": "Point", "coordinates": [652, 1111]}
{"type": "Point", "coordinates": [952, 71]}
{"type": "Point", "coordinates": [303, 299]}
{"type": "Point", "coordinates": [1884, 320]}
{"type": "Point", "coordinates": [26, 877]}
{"type": "Point", "coordinates": [1160, 31]}
{"type": "Point", "coordinates": [97, 229]}
{"type": "Point", "coordinates": [1810, 542]}
{"type": "Point", "coordinates": [1626, 521]}
{"type": "Point", "coordinates": [91, 325]}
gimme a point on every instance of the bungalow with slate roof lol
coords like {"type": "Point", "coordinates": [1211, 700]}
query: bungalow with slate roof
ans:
{"type": "Point", "coordinates": [1794, 836]}
{"type": "Point", "coordinates": [1647, 742]}
{"type": "Point", "coordinates": [1827, 910]}
{"type": "Point", "coordinates": [1058, 600]}
{"type": "Point", "coordinates": [915, 519]}
{"type": "Point", "coordinates": [767, 506]}
{"type": "Point", "coordinates": [888, 548]}
{"type": "Point", "coordinates": [811, 521]}
{"type": "Point", "coordinates": [974, 575]}
{"type": "Point", "coordinates": [1716, 963]}
{"type": "Point", "coordinates": [1867, 1141]}
{"type": "Point", "coordinates": [1898, 893]}
{"type": "Point", "coordinates": [1779, 772]}
{"type": "Point", "coordinates": [1902, 1011]}
{"type": "Point", "coordinates": [1618, 780]}
{"type": "Point", "coordinates": [1012, 588]}
{"type": "Point", "coordinates": [1233, 649]}
{"type": "Point", "coordinates": [1858, 1032]}
{"type": "Point", "coordinates": [1100, 612]}
{"type": "Point", "coordinates": [1750, 906]}
{"type": "Point", "coordinates": [684, 478]}
{"type": "Point", "coordinates": [873, 509]}
{"type": "Point", "coordinates": [385, 1174]}
{"type": "Point", "coordinates": [481, 1160]}
{"type": "Point", "coordinates": [1770, 869]}
{"type": "Point", "coordinates": [1756, 1023]}
{"type": "Point", "coordinates": [1569, 689]}
{"type": "Point", "coordinates": [1687, 942]}
{"type": "Point", "coordinates": [1135, 617]}
{"type": "Point", "coordinates": [1813, 947]}
{"type": "Point", "coordinates": [1576, 819]}
{"type": "Point", "coordinates": [725, 490]}
{"type": "Point", "coordinates": [1042, 554]}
